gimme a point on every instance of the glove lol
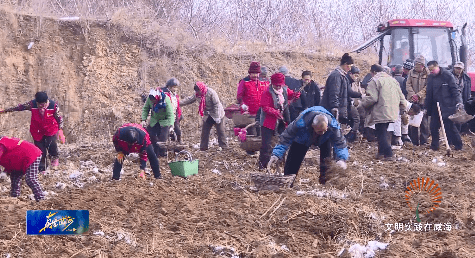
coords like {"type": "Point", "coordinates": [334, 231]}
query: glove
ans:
{"type": "Point", "coordinates": [120, 157]}
{"type": "Point", "coordinates": [62, 138]}
{"type": "Point", "coordinates": [405, 119]}
{"type": "Point", "coordinates": [218, 121]}
{"type": "Point", "coordinates": [334, 112]}
{"type": "Point", "coordinates": [341, 164]}
{"type": "Point", "coordinates": [244, 107]}
{"type": "Point", "coordinates": [273, 160]}
{"type": "Point", "coordinates": [459, 107]}
{"type": "Point", "coordinates": [142, 174]}
{"type": "Point", "coordinates": [144, 124]}
{"type": "Point", "coordinates": [415, 98]}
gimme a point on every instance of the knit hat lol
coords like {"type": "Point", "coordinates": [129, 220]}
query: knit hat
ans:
{"type": "Point", "coordinates": [284, 70]}
{"type": "Point", "coordinates": [420, 59]}
{"type": "Point", "coordinates": [255, 67]}
{"type": "Point", "coordinates": [409, 64]}
{"type": "Point", "coordinates": [459, 65]}
{"type": "Point", "coordinates": [277, 79]}
{"type": "Point", "coordinates": [346, 59]}
{"type": "Point", "coordinates": [41, 97]}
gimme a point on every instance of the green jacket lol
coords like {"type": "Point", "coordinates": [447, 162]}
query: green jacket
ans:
{"type": "Point", "coordinates": [384, 100]}
{"type": "Point", "coordinates": [164, 117]}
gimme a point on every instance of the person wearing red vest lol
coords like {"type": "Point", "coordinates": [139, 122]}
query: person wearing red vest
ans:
{"type": "Point", "coordinates": [20, 158]}
{"type": "Point", "coordinates": [275, 115]}
{"type": "Point", "coordinates": [249, 93]}
{"type": "Point", "coordinates": [46, 124]}
{"type": "Point", "coordinates": [133, 138]}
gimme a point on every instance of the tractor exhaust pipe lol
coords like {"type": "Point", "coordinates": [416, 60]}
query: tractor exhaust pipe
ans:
{"type": "Point", "coordinates": [463, 47]}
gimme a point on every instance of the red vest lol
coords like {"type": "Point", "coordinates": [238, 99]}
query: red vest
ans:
{"type": "Point", "coordinates": [19, 154]}
{"type": "Point", "coordinates": [138, 147]}
{"type": "Point", "coordinates": [252, 95]}
{"type": "Point", "coordinates": [45, 125]}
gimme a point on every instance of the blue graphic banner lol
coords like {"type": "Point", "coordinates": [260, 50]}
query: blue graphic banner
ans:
{"type": "Point", "coordinates": [57, 222]}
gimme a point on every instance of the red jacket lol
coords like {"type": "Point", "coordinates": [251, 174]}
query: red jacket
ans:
{"type": "Point", "coordinates": [270, 113]}
{"type": "Point", "coordinates": [138, 147]}
{"type": "Point", "coordinates": [249, 93]}
{"type": "Point", "coordinates": [45, 125]}
{"type": "Point", "coordinates": [18, 154]}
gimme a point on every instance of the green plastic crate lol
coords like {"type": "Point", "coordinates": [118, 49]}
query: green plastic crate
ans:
{"type": "Point", "coordinates": [184, 168]}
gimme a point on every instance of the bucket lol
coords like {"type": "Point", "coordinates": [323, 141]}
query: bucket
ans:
{"type": "Point", "coordinates": [184, 168]}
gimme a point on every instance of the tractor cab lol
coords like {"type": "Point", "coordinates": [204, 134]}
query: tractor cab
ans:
{"type": "Point", "coordinates": [403, 39]}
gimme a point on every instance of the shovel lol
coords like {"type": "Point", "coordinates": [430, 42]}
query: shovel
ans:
{"type": "Point", "coordinates": [443, 131]}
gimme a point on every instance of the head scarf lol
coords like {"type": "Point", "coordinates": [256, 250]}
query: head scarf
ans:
{"type": "Point", "coordinates": [160, 96]}
{"type": "Point", "coordinates": [202, 94]}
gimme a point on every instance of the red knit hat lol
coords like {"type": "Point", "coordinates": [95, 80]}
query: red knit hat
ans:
{"type": "Point", "coordinates": [277, 79]}
{"type": "Point", "coordinates": [255, 67]}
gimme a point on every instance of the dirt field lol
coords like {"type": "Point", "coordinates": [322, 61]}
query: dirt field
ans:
{"type": "Point", "coordinates": [97, 70]}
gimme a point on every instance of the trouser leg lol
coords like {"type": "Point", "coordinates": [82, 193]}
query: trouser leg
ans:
{"type": "Point", "coordinates": [163, 137]}
{"type": "Point", "coordinates": [220, 130]}
{"type": "Point", "coordinates": [31, 179]}
{"type": "Point", "coordinates": [205, 131]}
{"type": "Point", "coordinates": [15, 179]}
{"type": "Point", "coordinates": [154, 164]}
{"type": "Point", "coordinates": [52, 146]}
{"type": "Point", "coordinates": [153, 132]}
{"type": "Point", "coordinates": [355, 118]}
{"type": "Point", "coordinates": [177, 129]}
{"type": "Point", "coordinates": [384, 145]}
{"type": "Point", "coordinates": [424, 130]}
{"type": "Point", "coordinates": [434, 130]}
{"type": "Point", "coordinates": [42, 146]}
{"type": "Point", "coordinates": [266, 147]}
{"type": "Point", "coordinates": [295, 158]}
{"type": "Point", "coordinates": [117, 168]}
{"type": "Point", "coordinates": [414, 135]}
{"type": "Point", "coordinates": [325, 156]}
{"type": "Point", "coordinates": [452, 132]}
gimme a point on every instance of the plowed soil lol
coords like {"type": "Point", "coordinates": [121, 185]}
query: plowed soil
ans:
{"type": "Point", "coordinates": [97, 72]}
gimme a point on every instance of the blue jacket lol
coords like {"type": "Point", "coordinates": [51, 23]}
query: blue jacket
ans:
{"type": "Point", "coordinates": [301, 131]}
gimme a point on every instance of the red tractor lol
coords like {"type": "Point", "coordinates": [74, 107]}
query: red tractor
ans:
{"type": "Point", "coordinates": [403, 39]}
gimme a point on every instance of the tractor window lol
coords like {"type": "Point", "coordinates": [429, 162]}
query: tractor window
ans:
{"type": "Point", "coordinates": [386, 50]}
{"type": "Point", "coordinates": [400, 46]}
{"type": "Point", "coordinates": [433, 44]}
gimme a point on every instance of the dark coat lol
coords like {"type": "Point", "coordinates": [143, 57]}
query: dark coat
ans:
{"type": "Point", "coordinates": [465, 86]}
{"type": "Point", "coordinates": [402, 83]}
{"type": "Point", "coordinates": [311, 94]}
{"type": "Point", "coordinates": [443, 89]}
{"type": "Point", "coordinates": [295, 85]}
{"type": "Point", "coordinates": [335, 94]}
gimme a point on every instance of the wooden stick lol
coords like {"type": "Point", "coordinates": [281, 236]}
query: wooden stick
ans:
{"type": "Point", "coordinates": [443, 129]}
{"type": "Point", "coordinates": [271, 207]}
{"type": "Point", "coordinates": [276, 208]}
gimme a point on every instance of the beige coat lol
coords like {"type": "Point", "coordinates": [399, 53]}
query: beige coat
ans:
{"type": "Point", "coordinates": [383, 100]}
{"type": "Point", "coordinates": [417, 83]}
{"type": "Point", "coordinates": [213, 108]}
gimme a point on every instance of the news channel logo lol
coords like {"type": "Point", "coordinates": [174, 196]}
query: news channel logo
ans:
{"type": "Point", "coordinates": [57, 222]}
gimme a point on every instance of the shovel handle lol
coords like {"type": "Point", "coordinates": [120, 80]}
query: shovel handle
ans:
{"type": "Point", "coordinates": [443, 127]}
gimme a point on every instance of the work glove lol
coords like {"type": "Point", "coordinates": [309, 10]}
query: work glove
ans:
{"type": "Point", "coordinates": [415, 98]}
{"type": "Point", "coordinates": [144, 124]}
{"type": "Point", "coordinates": [244, 107]}
{"type": "Point", "coordinates": [342, 164]}
{"type": "Point", "coordinates": [120, 157]}
{"type": "Point", "coordinates": [62, 138]}
{"type": "Point", "coordinates": [142, 174]}
{"type": "Point", "coordinates": [334, 112]}
{"type": "Point", "coordinates": [405, 119]}
{"type": "Point", "coordinates": [459, 107]}
{"type": "Point", "coordinates": [273, 160]}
